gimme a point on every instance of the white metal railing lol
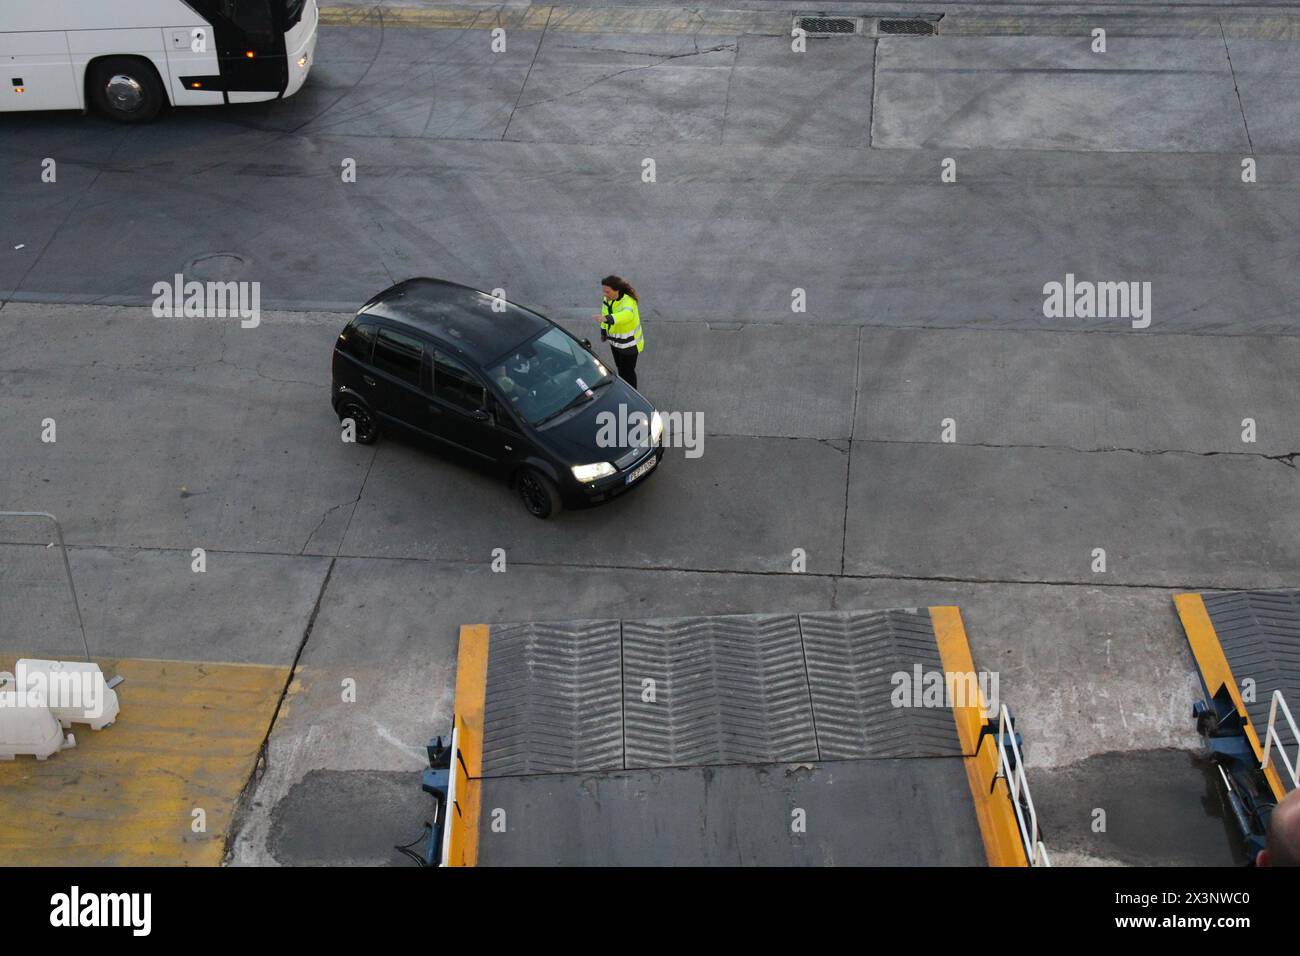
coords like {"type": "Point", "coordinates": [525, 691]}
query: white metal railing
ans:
{"type": "Point", "coordinates": [1272, 736]}
{"type": "Point", "coordinates": [451, 810]}
{"type": "Point", "coordinates": [1018, 783]}
{"type": "Point", "coordinates": [67, 567]}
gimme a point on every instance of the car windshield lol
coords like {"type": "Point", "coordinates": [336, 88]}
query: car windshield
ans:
{"type": "Point", "coordinates": [546, 375]}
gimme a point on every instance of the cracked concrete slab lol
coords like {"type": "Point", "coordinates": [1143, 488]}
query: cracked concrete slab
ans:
{"type": "Point", "coordinates": [977, 513]}
{"type": "Point", "coordinates": [731, 375]}
{"type": "Point", "coordinates": [242, 608]}
{"type": "Point", "coordinates": [1267, 73]}
{"type": "Point", "coordinates": [871, 235]}
{"type": "Point", "coordinates": [1125, 389]}
{"type": "Point", "coordinates": [416, 505]}
{"type": "Point", "coordinates": [200, 433]}
{"type": "Point", "coordinates": [820, 97]}
{"type": "Point", "coordinates": [1143, 93]}
{"type": "Point", "coordinates": [451, 84]}
{"type": "Point", "coordinates": [668, 90]}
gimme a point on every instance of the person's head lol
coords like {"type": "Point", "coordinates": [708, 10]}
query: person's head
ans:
{"type": "Point", "coordinates": [615, 287]}
{"type": "Point", "coordinates": [1283, 846]}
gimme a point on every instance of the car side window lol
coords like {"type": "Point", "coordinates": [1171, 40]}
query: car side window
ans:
{"type": "Point", "coordinates": [399, 355]}
{"type": "Point", "coordinates": [453, 383]}
{"type": "Point", "coordinates": [359, 342]}
{"type": "Point", "coordinates": [502, 417]}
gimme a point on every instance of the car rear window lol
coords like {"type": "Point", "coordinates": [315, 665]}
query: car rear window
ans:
{"type": "Point", "coordinates": [399, 355]}
{"type": "Point", "coordinates": [359, 341]}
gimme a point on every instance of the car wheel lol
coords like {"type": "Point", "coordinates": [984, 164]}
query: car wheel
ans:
{"type": "Point", "coordinates": [367, 429]}
{"type": "Point", "coordinates": [125, 89]}
{"type": "Point", "coordinates": [538, 493]}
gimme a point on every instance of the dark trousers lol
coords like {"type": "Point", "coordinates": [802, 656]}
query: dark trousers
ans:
{"type": "Point", "coordinates": [625, 362]}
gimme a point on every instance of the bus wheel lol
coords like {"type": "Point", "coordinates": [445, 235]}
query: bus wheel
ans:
{"type": "Point", "coordinates": [125, 89]}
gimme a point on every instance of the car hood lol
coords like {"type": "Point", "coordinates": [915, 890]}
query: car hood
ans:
{"type": "Point", "coordinates": [573, 436]}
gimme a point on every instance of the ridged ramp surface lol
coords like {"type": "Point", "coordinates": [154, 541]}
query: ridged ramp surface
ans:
{"type": "Point", "coordinates": [553, 699]}
{"type": "Point", "coordinates": [1259, 632]}
{"type": "Point", "coordinates": [852, 659]}
{"type": "Point", "coordinates": [727, 690]}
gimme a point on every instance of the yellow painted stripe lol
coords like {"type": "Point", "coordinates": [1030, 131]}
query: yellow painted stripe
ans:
{"type": "Point", "coordinates": [471, 692]}
{"type": "Point", "coordinates": [1254, 26]}
{"type": "Point", "coordinates": [993, 808]}
{"type": "Point", "coordinates": [565, 19]}
{"type": "Point", "coordinates": [1213, 664]}
{"type": "Point", "coordinates": [437, 18]}
{"type": "Point", "coordinates": [187, 739]}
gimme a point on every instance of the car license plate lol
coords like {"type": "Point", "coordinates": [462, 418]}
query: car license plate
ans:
{"type": "Point", "coordinates": [641, 470]}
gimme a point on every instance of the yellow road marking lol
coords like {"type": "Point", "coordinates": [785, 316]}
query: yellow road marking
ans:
{"type": "Point", "coordinates": [187, 738]}
{"type": "Point", "coordinates": [437, 18]}
{"type": "Point", "coordinates": [1254, 26]}
{"type": "Point", "coordinates": [997, 817]}
{"type": "Point", "coordinates": [471, 692]}
{"type": "Point", "coordinates": [1213, 664]}
{"type": "Point", "coordinates": [565, 19]}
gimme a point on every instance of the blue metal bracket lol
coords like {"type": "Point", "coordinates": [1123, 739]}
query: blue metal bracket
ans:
{"type": "Point", "coordinates": [1245, 789]}
{"type": "Point", "coordinates": [436, 781]}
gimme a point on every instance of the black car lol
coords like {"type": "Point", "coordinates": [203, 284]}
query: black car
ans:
{"type": "Point", "coordinates": [497, 382]}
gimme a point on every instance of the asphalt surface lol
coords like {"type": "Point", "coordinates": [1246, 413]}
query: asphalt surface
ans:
{"type": "Point", "coordinates": [824, 429]}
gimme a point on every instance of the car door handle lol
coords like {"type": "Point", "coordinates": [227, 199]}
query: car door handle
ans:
{"type": "Point", "coordinates": [368, 380]}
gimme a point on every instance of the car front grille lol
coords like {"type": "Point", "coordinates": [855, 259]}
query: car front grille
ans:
{"type": "Point", "coordinates": [633, 458]}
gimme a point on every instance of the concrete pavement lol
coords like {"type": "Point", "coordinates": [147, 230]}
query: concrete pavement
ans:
{"type": "Point", "coordinates": [452, 142]}
{"type": "Point", "coordinates": [1094, 662]}
{"type": "Point", "coordinates": [824, 429]}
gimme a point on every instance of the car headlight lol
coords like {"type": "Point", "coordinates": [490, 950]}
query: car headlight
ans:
{"type": "Point", "coordinates": [599, 469]}
{"type": "Point", "coordinates": [656, 428]}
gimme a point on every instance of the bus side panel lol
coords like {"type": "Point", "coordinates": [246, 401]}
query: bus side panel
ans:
{"type": "Point", "coordinates": [38, 73]}
{"type": "Point", "coordinates": [87, 45]}
{"type": "Point", "coordinates": [184, 60]}
{"type": "Point", "coordinates": [102, 15]}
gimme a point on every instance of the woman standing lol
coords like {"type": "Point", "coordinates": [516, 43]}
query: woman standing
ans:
{"type": "Point", "coordinates": [620, 325]}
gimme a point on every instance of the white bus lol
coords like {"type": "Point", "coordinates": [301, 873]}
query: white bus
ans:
{"type": "Point", "coordinates": [126, 58]}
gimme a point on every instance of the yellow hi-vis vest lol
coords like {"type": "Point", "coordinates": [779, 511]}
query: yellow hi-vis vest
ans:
{"type": "Point", "coordinates": [625, 331]}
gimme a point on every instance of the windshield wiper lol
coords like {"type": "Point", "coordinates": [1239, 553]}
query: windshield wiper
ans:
{"type": "Point", "coordinates": [573, 403]}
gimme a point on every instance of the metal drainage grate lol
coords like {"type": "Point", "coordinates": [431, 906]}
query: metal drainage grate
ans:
{"type": "Point", "coordinates": [911, 27]}
{"type": "Point", "coordinates": [818, 26]}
